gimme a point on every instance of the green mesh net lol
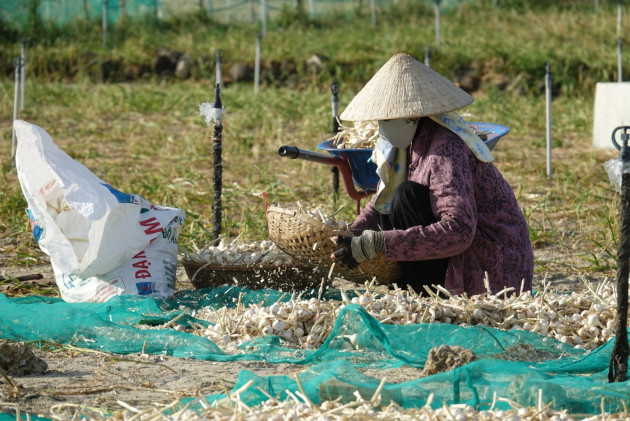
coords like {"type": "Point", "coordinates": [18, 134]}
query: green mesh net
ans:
{"type": "Point", "coordinates": [571, 379]}
{"type": "Point", "coordinates": [18, 13]}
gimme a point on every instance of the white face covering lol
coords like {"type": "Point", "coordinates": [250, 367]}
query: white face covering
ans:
{"type": "Point", "coordinates": [398, 132]}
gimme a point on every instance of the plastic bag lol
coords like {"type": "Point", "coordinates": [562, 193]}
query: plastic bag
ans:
{"type": "Point", "coordinates": [615, 169]}
{"type": "Point", "coordinates": [100, 241]}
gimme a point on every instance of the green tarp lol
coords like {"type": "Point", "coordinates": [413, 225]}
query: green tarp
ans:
{"type": "Point", "coordinates": [573, 379]}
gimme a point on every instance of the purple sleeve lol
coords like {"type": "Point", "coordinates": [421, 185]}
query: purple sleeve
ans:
{"type": "Point", "coordinates": [369, 218]}
{"type": "Point", "coordinates": [447, 168]}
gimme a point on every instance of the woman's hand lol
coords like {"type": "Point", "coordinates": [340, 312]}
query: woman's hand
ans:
{"type": "Point", "coordinates": [343, 255]}
{"type": "Point", "coordinates": [358, 249]}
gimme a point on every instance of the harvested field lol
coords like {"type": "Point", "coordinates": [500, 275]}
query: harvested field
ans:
{"type": "Point", "coordinates": [145, 136]}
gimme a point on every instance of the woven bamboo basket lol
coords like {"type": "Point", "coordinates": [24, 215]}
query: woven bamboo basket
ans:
{"type": "Point", "coordinates": [307, 240]}
{"type": "Point", "coordinates": [285, 277]}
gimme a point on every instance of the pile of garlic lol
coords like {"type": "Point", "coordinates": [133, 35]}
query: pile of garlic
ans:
{"type": "Point", "coordinates": [584, 320]}
{"type": "Point", "coordinates": [363, 135]}
{"type": "Point", "coordinates": [239, 253]}
{"type": "Point", "coordinates": [319, 213]}
{"type": "Point", "coordinates": [297, 405]}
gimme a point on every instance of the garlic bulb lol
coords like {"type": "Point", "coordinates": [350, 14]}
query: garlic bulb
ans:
{"type": "Point", "coordinates": [580, 322]}
{"type": "Point", "coordinates": [238, 253]}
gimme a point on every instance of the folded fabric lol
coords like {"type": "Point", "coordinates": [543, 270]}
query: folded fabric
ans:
{"type": "Point", "coordinates": [455, 123]}
{"type": "Point", "coordinates": [391, 168]}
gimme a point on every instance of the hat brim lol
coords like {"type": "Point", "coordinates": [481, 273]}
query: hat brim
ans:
{"type": "Point", "coordinates": [405, 88]}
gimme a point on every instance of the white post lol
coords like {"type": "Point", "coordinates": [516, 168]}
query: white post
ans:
{"type": "Point", "coordinates": [548, 99]}
{"type": "Point", "coordinates": [427, 56]}
{"type": "Point", "coordinates": [596, 6]}
{"type": "Point", "coordinates": [437, 24]}
{"type": "Point", "coordinates": [311, 9]}
{"type": "Point", "coordinates": [257, 64]}
{"type": "Point", "coordinates": [23, 73]}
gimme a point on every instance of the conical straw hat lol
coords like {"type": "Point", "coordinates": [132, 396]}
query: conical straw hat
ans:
{"type": "Point", "coordinates": [405, 88]}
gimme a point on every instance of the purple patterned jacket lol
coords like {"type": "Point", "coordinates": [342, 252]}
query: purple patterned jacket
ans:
{"type": "Point", "coordinates": [480, 225]}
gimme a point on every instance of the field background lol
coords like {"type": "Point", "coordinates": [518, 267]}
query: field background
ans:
{"type": "Point", "coordinates": [140, 130]}
{"type": "Point", "coordinates": [137, 126]}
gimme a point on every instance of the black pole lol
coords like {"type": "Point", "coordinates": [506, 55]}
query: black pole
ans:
{"type": "Point", "coordinates": [334, 88]}
{"type": "Point", "coordinates": [218, 58]}
{"type": "Point", "coordinates": [618, 368]}
{"type": "Point", "coordinates": [218, 167]}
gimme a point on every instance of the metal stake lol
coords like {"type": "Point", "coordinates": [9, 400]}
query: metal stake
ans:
{"type": "Point", "coordinates": [548, 99]}
{"type": "Point", "coordinates": [218, 57]}
{"type": "Point", "coordinates": [263, 17]}
{"type": "Point", "coordinates": [159, 11]}
{"type": "Point", "coordinates": [334, 88]}
{"type": "Point", "coordinates": [437, 24]}
{"type": "Point", "coordinates": [334, 103]}
{"type": "Point", "coordinates": [252, 9]}
{"type": "Point", "coordinates": [218, 165]}
{"type": "Point", "coordinates": [104, 23]}
{"type": "Point", "coordinates": [619, 9]}
{"type": "Point", "coordinates": [121, 13]}
{"type": "Point", "coordinates": [373, 12]}
{"type": "Point", "coordinates": [257, 63]}
{"type": "Point", "coordinates": [17, 62]}
{"type": "Point", "coordinates": [619, 61]}
{"type": "Point", "coordinates": [618, 367]}
{"type": "Point", "coordinates": [23, 73]}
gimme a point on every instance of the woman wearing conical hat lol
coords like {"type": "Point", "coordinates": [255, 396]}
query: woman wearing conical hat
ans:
{"type": "Point", "coordinates": [441, 208]}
